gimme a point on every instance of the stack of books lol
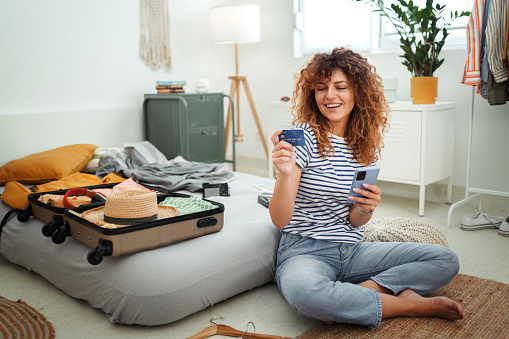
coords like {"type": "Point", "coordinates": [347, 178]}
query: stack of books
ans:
{"type": "Point", "coordinates": [170, 86]}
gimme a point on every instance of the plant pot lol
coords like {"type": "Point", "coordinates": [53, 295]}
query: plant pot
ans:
{"type": "Point", "coordinates": [424, 90]}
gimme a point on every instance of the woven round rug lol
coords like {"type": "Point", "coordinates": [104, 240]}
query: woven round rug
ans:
{"type": "Point", "coordinates": [19, 320]}
{"type": "Point", "coordinates": [485, 304]}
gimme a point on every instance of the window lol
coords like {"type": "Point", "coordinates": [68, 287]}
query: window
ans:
{"type": "Point", "coordinates": [324, 24]}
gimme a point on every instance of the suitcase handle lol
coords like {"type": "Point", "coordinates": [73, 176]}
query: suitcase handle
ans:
{"type": "Point", "coordinates": [207, 222]}
{"type": "Point", "coordinates": [81, 191]}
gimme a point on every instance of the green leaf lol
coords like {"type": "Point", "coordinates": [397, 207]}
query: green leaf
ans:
{"type": "Point", "coordinates": [418, 29]}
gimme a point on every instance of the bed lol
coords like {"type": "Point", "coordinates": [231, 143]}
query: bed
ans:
{"type": "Point", "coordinates": [165, 284]}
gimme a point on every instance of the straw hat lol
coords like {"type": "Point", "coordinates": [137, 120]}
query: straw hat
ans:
{"type": "Point", "coordinates": [129, 207]}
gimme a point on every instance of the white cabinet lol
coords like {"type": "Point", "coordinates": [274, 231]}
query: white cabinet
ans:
{"type": "Point", "coordinates": [419, 147]}
{"type": "Point", "coordinates": [280, 117]}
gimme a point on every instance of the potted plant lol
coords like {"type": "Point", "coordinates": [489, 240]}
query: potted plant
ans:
{"type": "Point", "coordinates": [419, 35]}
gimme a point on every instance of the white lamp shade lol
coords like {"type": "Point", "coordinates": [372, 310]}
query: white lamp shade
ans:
{"type": "Point", "coordinates": [235, 24]}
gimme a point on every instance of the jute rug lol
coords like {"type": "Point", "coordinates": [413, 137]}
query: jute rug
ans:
{"type": "Point", "coordinates": [485, 307]}
{"type": "Point", "coordinates": [18, 320]}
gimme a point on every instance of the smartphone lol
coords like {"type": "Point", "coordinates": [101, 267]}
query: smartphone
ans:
{"type": "Point", "coordinates": [363, 175]}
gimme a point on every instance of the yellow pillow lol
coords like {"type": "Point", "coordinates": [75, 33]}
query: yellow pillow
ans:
{"type": "Point", "coordinates": [39, 168]}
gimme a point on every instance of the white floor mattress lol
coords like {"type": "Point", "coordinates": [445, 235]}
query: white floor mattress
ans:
{"type": "Point", "coordinates": [166, 284]}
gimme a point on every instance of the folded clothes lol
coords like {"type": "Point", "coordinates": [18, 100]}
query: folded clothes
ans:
{"type": "Point", "coordinates": [57, 200]}
{"type": "Point", "coordinates": [129, 184]}
{"type": "Point", "coordinates": [188, 205]}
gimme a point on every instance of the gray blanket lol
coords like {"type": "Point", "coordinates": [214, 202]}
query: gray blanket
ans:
{"type": "Point", "coordinates": [149, 167]}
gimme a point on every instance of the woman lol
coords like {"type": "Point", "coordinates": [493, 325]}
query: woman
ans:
{"type": "Point", "coordinates": [323, 269]}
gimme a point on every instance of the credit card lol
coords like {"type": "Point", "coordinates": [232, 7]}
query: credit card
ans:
{"type": "Point", "coordinates": [293, 136]}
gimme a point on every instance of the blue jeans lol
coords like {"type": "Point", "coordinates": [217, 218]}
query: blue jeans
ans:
{"type": "Point", "coordinates": [319, 278]}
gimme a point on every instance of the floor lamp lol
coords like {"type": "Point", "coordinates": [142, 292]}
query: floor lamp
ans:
{"type": "Point", "coordinates": [234, 25]}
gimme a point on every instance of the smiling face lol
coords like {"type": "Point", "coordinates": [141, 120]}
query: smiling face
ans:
{"type": "Point", "coordinates": [335, 100]}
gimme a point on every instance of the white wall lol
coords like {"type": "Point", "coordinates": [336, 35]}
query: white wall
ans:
{"type": "Point", "coordinates": [60, 56]}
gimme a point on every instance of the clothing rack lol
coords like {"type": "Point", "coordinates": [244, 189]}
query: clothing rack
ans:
{"type": "Point", "coordinates": [468, 189]}
{"type": "Point", "coordinates": [476, 34]}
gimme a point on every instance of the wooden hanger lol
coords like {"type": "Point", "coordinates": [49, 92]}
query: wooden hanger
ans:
{"type": "Point", "coordinates": [231, 332]}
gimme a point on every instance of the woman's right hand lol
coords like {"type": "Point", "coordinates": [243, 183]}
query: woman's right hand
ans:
{"type": "Point", "coordinates": [282, 203]}
{"type": "Point", "coordinates": [283, 155]}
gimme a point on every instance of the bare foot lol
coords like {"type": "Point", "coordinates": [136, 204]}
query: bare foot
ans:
{"type": "Point", "coordinates": [442, 307]}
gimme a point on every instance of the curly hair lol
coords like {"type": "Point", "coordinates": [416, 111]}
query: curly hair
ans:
{"type": "Point", "coordinates": [368, 120]}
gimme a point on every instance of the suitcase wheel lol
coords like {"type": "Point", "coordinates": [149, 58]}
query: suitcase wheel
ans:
{"type": "Point", "coordinates": [54, 224]}
{"type": "Point", "coordinates": [95, 256]}
{"type": "Point", "coordinates": [24, 215]}
{"type": "Point", "coordinates": [60, 234]}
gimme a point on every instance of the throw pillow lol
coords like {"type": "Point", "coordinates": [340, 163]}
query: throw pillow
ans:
{"type": "Point", "coordinates": [400, 229]}
{"type": "Point", "coordinates": [42, 167]}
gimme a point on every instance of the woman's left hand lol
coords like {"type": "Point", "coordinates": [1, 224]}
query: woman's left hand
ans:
{"type": "Point", "coordinates": [372, 194]}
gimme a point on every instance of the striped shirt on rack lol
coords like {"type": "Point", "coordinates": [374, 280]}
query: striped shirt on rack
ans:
{"type": "Point", "coordinates": [472, 71]}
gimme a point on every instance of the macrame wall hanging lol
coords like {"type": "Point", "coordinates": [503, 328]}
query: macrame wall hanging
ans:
{"type": "Point", "coordinates": [155, 33]}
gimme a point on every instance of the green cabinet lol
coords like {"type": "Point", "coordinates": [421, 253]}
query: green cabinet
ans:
{"type": "Point", "coordinates": [190, 125]}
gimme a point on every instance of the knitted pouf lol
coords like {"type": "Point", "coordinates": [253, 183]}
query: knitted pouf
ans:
{"type": "Point", "coordinates": [403, 230]}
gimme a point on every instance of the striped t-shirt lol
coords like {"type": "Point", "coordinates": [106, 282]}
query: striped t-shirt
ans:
{"type": "Point", "coordinates": [321, 207]}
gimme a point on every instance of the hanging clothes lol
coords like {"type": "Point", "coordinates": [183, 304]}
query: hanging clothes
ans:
{"type": "Point", "coordinates": [505, 55]}
{"type": "Point", "coordinates": [497, 92]}
{"type": "Point", "coordinates": [472, 71]}
{"type": "Point", "coordinates": [486, 66]}
{"type": "Point", "coordinates": [495, 36]}
{"type": "Point", "coordinates": [485, 70]}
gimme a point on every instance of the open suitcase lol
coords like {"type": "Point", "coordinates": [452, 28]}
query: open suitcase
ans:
{"type": "Point", "coordinates": [63, 222]}
{"type": "Point", "coordinates": [143, 236]}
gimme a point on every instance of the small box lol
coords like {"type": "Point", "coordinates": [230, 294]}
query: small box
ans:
{"type": "Point", "coordinates": [390, 89]}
